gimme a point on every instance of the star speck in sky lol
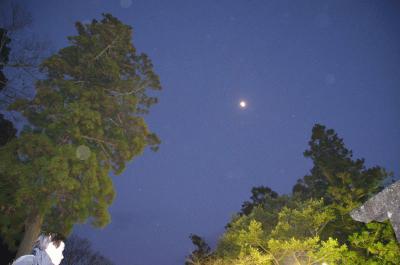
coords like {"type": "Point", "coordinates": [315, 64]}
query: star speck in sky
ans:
{"type": "Point", "coordinates": [243, 104]}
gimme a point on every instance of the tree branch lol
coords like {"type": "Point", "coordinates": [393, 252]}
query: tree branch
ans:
{"type": "Point", "coordinates": [105, 49]}
{"type": "Point", "coordinates": [97, 140]}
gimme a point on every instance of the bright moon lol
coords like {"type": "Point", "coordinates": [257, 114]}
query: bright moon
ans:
{"type": "Point", "coordinates": [242, 104]}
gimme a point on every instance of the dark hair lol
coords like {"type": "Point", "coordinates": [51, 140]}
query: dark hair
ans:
{"type": "Point", "coordinates": [45, 239]}
{"type": "Point", "coordinates": [56, 239]}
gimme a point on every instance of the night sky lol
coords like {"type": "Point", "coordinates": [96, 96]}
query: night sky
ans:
{"type": "Point", "coordinates": [295, 63]}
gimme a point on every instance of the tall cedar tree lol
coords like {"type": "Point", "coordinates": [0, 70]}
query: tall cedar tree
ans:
{"type": "Point", "coordinates": [86, 121]}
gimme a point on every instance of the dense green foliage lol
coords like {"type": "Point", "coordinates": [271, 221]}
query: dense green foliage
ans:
{"type": "Point", "coordinates": [312, 225]}
{"type": "Point", "coordinates": [85, 122]}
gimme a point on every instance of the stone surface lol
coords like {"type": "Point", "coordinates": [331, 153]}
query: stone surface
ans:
{"type": "Point", "coordinates": [384, 205]}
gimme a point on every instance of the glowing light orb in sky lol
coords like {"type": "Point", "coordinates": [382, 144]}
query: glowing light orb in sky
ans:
{"type": "Point", "coordinates": [242, 104]}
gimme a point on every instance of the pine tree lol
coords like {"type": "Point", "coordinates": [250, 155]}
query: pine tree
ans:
{"type": "Point", "coordinates": [342, 181]}
{"type": "Point", "coordinates": [335, 173]}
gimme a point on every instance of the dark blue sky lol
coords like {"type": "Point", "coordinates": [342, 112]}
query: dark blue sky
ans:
{"type": "Point", "coordinates": [296, 63]}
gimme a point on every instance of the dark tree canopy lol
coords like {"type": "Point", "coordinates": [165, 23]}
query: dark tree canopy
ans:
{"type": "Point", "coordinates": [4, 55]}
{"type": "Point", "coordinates": [201, 253]}
{"type": "Point", "coordinates": [263, 197]}
{"type": "Point", "coordinates": [7, 130]}
{"type": "Point", "coordinates": [79, 251]}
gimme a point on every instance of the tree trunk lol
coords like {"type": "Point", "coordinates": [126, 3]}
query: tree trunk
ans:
{"type": "Point", "coordinates": [32, 230]}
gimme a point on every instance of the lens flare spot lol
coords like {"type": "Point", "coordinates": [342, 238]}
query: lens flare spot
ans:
{"type": "Point", "coordinates": [83, 152]}
{"type": "Point", "coordinates": [125, 3]}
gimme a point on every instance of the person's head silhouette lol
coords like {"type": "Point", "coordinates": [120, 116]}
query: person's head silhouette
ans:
{"type": "Point", "coordinates": [53, 245]}
{"type": "Point", "coordinates": [47, 250]}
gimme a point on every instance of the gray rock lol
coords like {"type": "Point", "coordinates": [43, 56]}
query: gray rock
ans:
{"type": "Point", "coordinates": [384, 205]}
